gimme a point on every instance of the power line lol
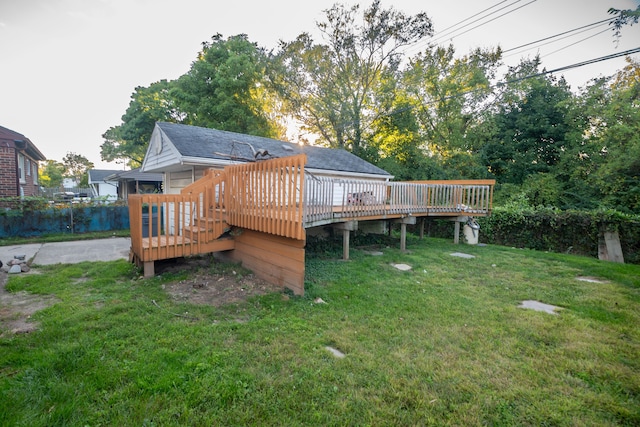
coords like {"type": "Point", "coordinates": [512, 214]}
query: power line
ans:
{"type": "Point", "coordinates": [581, 64]}
{"type": "Point", "coordinates": [444, 32]}
{"type": "Point", "coordinates": [557, 35]}
{"type": "Point", "coordinates": [575, 43]}
{"type": "Point", "coordinates": [559, 39]}
{"type": "Point", "coordinates": [531, 76]}
{"type": "Point", "coordinates": [491, 20]}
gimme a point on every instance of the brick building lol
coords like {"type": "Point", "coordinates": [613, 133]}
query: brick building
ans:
{"type": "Point", "coordinates": [19, 159]}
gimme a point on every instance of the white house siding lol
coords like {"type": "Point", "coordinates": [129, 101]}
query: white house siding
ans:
{"type": "Point", "coordinates": [105, 190]}
{"type": "Point", "coordinates": [345, 184]}
{"type": "Point", "coordinates": [161, 154]}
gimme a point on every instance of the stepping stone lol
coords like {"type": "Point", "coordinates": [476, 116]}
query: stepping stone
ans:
{"type": "Point", "coordinates": [337, 353]}
{"type": "Point", "coordinates": [461, 255]}
{"type": "Point", "coordinates": [590, 279]}
{"type": "Point", "coordinates": [374, 253]}
{"type": "Point", "coordinates": [402, 267]}
{"type": "Point", "coordinates": [539, 306]}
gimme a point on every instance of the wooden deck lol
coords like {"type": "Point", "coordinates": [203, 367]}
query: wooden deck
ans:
{"type": "Point", "coordinates": [276, 198]}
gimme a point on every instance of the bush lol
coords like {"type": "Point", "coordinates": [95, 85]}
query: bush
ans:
{"type": "Point", "coordinates": [568, 231]}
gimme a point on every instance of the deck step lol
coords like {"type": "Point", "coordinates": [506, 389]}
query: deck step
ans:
{"type": "Point", "coordinates": [193, 231]}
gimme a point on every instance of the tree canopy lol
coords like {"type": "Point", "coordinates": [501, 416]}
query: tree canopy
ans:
{"type": "Point", "coordinates": [333, 88]}
{"type": "Point", "coordinates": [223, 89]}
{"type": "Point", "coordinates": [436, 114]}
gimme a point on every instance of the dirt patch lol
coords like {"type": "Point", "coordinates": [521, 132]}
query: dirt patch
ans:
{"type": "Point", "coordinates": [16, 309]}
{"type": "Point", "coordinates": [207, 287]}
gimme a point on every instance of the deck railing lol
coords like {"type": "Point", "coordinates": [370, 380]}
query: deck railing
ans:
{"type": "Point", "coordinates": [329, 200]}
{"type": "Point", "coordinates": [173, 225]}
{"type": "Point", "coordinates": [277, 197]}
{"type": "Point", "coordinates": [267, 196]}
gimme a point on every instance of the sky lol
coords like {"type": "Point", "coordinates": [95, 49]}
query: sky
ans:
{"type": "Point", "coordinates": [68, 67]}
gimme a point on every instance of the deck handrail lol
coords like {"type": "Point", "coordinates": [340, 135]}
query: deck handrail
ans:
{"type": "Point", "coordinates": [176, 224]}
{"type": "Point", "coordinates": [267, 196]}
{"type": "Point", "coordinates": [329, 200]}
{"type": "Point", "coordinates": [276, 196]}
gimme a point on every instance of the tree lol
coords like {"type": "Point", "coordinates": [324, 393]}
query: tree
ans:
{"type": "Point", "coordinates": [610, 153]}
{"type": "Point", "coordinates": [531, 132]}
{"type": "Point", "coordinates": [331, 88]}
{"type": "Point", "coordinates": [76, 167]}
{"type": "Point", "coordinates": [624, 17]}
{"type": "Point", "coordinates": [51, 174]}
{"type": "Point", "coordinates": [449, 96]}
{"type": "Point", "coordinates": [224, 89]}
{"type": "Point", "coordinates": [128, 141]}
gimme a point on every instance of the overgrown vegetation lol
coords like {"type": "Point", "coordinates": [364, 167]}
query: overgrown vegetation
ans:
{"type": "Point", "coordinates": [442, 344]}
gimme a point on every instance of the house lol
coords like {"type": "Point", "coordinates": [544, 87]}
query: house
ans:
{"type": "Point", "coordinates": [183, 153]}
{"type": "Point", "coordinates": [255, 200]}
{"type": "Point", "coordinates": [135, 181]}
{"type": "Point", "coordinates": [19, 159]}
{"type": "Point", "coordinates": [101, 187]}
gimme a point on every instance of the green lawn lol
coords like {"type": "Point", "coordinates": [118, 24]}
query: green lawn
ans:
{"type": "Point", "coordinates": [442, 344]}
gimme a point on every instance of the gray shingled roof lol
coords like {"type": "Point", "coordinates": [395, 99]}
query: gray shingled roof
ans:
{"type": "Point", "coordinates": [99, 175]}
{"type": "Point", "coordinates": [193, 141]}
{"type": "Point", "coordinates": [135, 175]}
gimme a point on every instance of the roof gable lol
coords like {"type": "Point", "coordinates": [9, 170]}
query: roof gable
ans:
{"type": "Point", "coordinates": [195, 142]}
{"type": "Point", "coordinates": [19, 141]}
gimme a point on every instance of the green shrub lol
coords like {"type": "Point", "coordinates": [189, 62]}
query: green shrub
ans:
{"type": "Point", "coordinates": [554, 230]}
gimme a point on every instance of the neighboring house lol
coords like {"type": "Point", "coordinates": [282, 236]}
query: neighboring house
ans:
{"type": "Point", "coordinates": [183, 153]}
{"type": "Point", "coordinates": [136, 182]}
{"type": "Point", "coordinates": [19, 159]}
{"type": "Point", "coordinates": [101, 187]}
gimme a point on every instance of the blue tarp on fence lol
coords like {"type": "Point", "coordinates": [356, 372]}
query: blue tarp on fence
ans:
{"type": "Point", "coordinates": [83, 219]}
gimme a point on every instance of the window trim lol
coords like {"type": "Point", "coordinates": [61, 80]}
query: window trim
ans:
{"type": "Point", "coordinates": [21, 172]}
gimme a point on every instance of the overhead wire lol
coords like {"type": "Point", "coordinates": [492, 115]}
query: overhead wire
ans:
{"type": "Point", "coordinates": [491, 20]}
{"type": "Point", "coordinates": [553, 39]}
{"type": "Point", "coordinates": [557, 35]}
{"type": "Point", "coordinates": [444, 32]}
{"type": "Point", "coordinates": [577, 42]}
{"type": "Point", "coordinates": [518, 79]}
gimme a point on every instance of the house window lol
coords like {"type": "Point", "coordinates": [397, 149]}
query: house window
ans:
{"type": "Point", "coordinates": [34, 165]}
{"type": "Point", "coordinates": [21, 168]}
{"type": "Point", "coordinates": [28, 167]}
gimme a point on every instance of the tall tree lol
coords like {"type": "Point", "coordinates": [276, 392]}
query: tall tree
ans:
{"type": "Point", "coordinates": [76, 167]}
{"type": "Point", "coordinates": [610, 153]}
{"type": "Point", "coordinates": [224, 89]}
{"type": "Point", "coordinates": [51, 174]}
{"type": "Point", "coordinates": [531, 131]}
{"type": "Point", "coordinates": [330, 88]}
{"type": "Point", "coordinates": [449, 95]}
{"type": "Point", "coordinates": [128, 141]}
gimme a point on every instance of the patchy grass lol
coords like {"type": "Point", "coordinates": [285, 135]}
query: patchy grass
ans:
{"type": "Point", "coordinates": [442, 344]}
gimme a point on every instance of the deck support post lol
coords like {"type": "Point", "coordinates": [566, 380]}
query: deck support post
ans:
{"type": "Point", "coordinates": [345, 244]}
{"type": "Point", "coordinates": [456, 233]}
{"type": "Point", "coordinates": [422, 221]}
{"type": "Point", "coordinates": [346, 228]}
{"type": "Point", "coordinates": [403, 230]}
{"type": "Point", "coordinates": [149, 269]}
